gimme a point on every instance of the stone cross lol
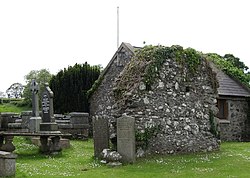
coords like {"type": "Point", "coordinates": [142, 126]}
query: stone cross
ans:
{"type": "Point", "coordinates": [34, 87]}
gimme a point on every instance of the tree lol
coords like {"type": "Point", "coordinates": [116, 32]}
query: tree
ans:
{"type": "Point", "coordinates": [232, 66]}
{"type": "Point", "coordinates": [41, 76]}
{"type": "Point", "coordinates": [70, 87]}
{"type": "Point", "coordinates": [2, 94]}
{"type": "Point", "coordinates": [15, 90]}
{"type": "Point", "coordinates": [235, 61]}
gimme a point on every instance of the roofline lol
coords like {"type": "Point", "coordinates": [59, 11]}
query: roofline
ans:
{"type": "Point", "coordinates": [213, 65]}
{"type": "Point", "coordinates": [128, 46]}
{"type": "Point", "coordinates": [227, 95]}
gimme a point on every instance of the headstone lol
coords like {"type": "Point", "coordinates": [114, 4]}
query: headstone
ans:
{"type": "Point", "coordinates": [35, 120]}
{"type": "Point", "coordinates": [7, 164]}
{"type": "Point", "coordinates": [48, 120]}
{"type": "Point", "coordinates": [126, 138]}
{"type": "Point", "coordinates": [48, 124]}
{"type": "Point", "coordinates": [79, 118]}
{"type": "Point", "coordinates": [100, 135]}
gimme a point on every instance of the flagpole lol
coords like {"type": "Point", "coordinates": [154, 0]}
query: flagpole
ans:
{"type": "Point", "coordinates": [117, 27]}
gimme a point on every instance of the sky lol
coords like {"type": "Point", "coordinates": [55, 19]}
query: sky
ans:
{"type": "Point", "coordinates": [55, 34]}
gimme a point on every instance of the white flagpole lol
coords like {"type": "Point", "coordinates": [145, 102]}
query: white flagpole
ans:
{"type": "Point", "coordinates": [117, 27]}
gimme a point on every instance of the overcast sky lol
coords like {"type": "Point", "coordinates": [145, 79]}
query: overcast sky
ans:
{"type": "Point", "coordinates": [54, 34]}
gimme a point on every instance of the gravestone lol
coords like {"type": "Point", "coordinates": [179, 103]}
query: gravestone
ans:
{"type": "Point", "coordinates": [34, 87]}
{"type": "Point", "coordinates": [48, 120]}
{"type": "Point", "coordinates": [79, 118]}
{"type": "Point", "coordinates": [48, 124]}
{"type": "Point", "coordinates": [100, 134]}
{"type": "Point", "coordinates": [126, 138]}
{"type": "Point", "coordinates": [35, 120]}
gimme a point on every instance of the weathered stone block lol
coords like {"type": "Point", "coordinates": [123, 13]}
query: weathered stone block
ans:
{"type": "Point", "coordinates": [80, 126]}
{"type": "Point", "coordinates": [7, 117]}
{"type": "Point", "coordinates": [14, 125]}
{"type": "Point", "coordinates": [34, 124]}
{"type": "Point", "coordinates": [126, 138]}
{"type": "Point", "coordinates": [64, 121]}
{"type": "Point", "coordinates": [65, 126]}
{"type": "Point", "coordinates": [100, 134]}
{"type": "Point", "coordinates": [79, 118]}
{"type": "Point", "coordinates": [7, 164]}
{"type": "Point", "coordinates": [46, 126]}
{"type": "Point", "coordinates": [26, 115]}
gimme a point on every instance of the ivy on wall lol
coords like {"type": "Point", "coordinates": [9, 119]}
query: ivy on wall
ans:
{"type": "Point", "coordinates": [147, 62]}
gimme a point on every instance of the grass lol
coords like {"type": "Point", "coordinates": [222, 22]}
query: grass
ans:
{"type": "Point", "coordinates": [233, 160]}
{"type": "Point", "coordinates": [9, 107]}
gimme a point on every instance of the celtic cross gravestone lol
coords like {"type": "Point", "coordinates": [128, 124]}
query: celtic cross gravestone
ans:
{"type": "Point", "coordinates": [35, 120]}
{"type": "Point", "coordinates": [34, 87]}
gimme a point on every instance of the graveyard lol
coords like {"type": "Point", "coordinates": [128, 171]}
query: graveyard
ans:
{"type": "Point", "coordinates": [232, 160]}
{"type": "Point", "coordinates": [141, 127]}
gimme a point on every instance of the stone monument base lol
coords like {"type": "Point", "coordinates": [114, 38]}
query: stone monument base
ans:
{"type": "Point", "coordinates": [34, 124]}
{"type": "Point", "coordinates": [50, 126]}
{"type": "Point", "coordinates": [65, 143]}
{"type": "Point", "coordinates": [7, 164]}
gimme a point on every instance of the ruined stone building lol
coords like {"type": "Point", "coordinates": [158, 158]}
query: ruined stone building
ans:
{"type": "Point", "coordinates": [181, 111]}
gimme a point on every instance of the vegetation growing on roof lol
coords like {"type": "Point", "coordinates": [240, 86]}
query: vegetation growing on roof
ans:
{"type": "Point", "coordinates": [232, 66]}
{"type": "Point", "coordinates": [147, 62]}
{"type": "Point", "coordinates": [156, 56]}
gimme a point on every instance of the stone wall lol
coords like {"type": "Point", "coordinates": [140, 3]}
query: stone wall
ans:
{"type": "Point", "coordinates": [102, 100]}
{"type": "Point", "coordinates": [235, 127]}
{"type": "Point", "coordinates": [174, 115]}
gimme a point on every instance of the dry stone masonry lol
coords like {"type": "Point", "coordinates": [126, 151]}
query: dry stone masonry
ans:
{"type": "Point", "coordinates": [173, 106]}
{"type": "Point", "coordinates": [235, 127]}
{"type": "Point", "coordinates": [174, 115]}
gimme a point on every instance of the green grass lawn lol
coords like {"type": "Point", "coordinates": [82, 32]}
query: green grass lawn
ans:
{"type": "Point", "coordinates": [233, 160]}
{"type": "Point", "coordinates": [9, 107]}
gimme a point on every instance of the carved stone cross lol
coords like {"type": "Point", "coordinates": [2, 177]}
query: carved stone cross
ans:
{"type": "Point", "coordinates": [34, 87]}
